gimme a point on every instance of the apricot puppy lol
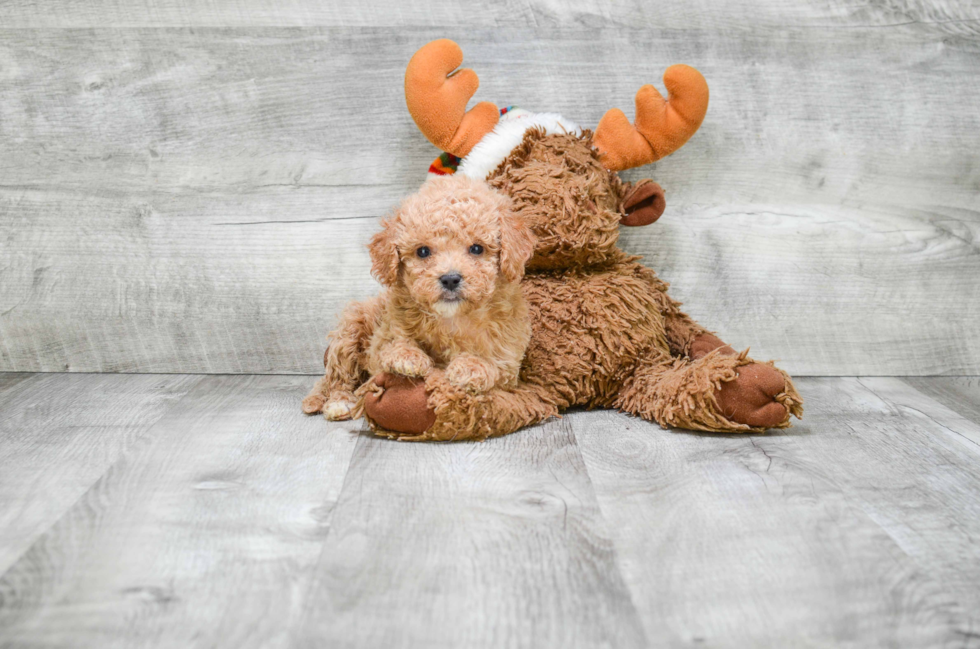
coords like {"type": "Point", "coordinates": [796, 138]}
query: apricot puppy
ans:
{"type": "Point", "coordinates": [451, 258]}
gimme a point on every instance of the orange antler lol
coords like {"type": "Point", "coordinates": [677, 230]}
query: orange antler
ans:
{"type": "Point", "coordinates": [437, 97]}
{"type": "Point", "coordinates": [662, 125]}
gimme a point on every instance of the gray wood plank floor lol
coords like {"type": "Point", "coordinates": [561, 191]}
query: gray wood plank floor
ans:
{"type": "Point", "coordinates": [186, 511]}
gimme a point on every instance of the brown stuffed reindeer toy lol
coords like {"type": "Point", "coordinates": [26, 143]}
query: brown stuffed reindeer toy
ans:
{"type": "Point", "coordinates": [604, 331]}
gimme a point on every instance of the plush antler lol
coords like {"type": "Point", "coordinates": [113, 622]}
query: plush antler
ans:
{"type": "Point", "coordinates": [662, 125]}
{"type": "Point", "coordinates": [437, 97]}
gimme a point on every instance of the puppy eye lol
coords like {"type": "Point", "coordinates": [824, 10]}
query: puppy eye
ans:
{"type": "Point", "coordinates": [423, 252]}
{"type": "Point", "coordinates": [476, 249]}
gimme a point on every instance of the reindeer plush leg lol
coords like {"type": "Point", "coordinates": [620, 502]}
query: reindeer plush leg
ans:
{"type": "Point", "coordinates": [343, 362]}
{"type": "Point", "coordinates": [752, 397]}
{"type": "Point", "coordinates": [412, 410]}
{"type": "Point", "coordinates": [718, 392]}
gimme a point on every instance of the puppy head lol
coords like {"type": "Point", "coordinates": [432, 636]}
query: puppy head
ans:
{"type": "Point", "coordinates": [450, 244]}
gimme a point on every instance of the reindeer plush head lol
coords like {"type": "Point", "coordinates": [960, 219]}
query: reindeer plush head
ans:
{"type": "Point", "coordinates": [563, 179]}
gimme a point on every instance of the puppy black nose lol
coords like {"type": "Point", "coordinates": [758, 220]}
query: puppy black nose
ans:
{"type": "Point", "coordinates": [450, 281]}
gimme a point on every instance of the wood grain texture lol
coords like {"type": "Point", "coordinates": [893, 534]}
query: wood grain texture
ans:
{"type": "Point", "coordinates": [59, 434]}
{"type": "Point", "coordinates": [855, 528]}
{"type": "Point", "coordinates": [953, 15]}
{"type": "Point", "coordinates": [204, 536]}
{"type": "Point", "coordinates": [931, 506]}
{"type": "Point", "coordinates": [496, 544]}
{"type": "Point", "coordinates": [10, 379]}
{"type": "Point", "coordinates": [235, 521]}
{"type": "Point", "coordinates": [183, 282]}
{"type": "Point", "coordinates": [959, 393]}
{"type": "Point", "coordinates": [825, 214]}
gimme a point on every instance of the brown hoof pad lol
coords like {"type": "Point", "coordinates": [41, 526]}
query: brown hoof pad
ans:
{"type": "Point", "coordinates": [403, 407]}
{"type": "Point", "coordinates": [751, 398]}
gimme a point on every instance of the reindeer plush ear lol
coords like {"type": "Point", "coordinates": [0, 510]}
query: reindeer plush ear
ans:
{"type": "Point", "coordinates": [384, 256]}
{"type": "Point", "coordinates": [516, 246]}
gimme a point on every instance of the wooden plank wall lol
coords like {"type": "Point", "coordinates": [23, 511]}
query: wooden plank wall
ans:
{"type": "Point", "coordinates": [188, 186]}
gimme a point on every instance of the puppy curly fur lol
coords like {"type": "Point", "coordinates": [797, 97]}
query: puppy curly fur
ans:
{"type": "Point", "coordinates": [476, 332]}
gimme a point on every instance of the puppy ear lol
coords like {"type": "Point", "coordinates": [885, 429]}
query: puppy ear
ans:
{"type": "Point", "coordinates": [384, 256]}
{"type": "Point", "coordinates": [516, 246]}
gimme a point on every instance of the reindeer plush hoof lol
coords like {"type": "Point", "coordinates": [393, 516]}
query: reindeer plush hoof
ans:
{"type": "Point", "coordinates": [752, 398]}
{"type": "Point", "coordinates": [401, 405]}
{"type": "Point", "coordinates": [760, 396]}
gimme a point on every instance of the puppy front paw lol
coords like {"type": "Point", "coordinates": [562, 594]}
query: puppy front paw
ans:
{"type": "Point", "coordinates": [407, 362]}
{"type": "Point", "coordinates": [339, 410]}
{"type": "Point", "coordinates": [472, 373]}
{"type": "Point", "coordinates": [313, 403]}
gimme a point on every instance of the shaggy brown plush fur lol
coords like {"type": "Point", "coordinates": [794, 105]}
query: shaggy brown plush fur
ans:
{"type": "Point", "coordinates": [604, 331]}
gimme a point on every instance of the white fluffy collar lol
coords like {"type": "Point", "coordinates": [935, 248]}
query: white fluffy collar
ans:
{"type": "Point", "coordinates": [505, 136]}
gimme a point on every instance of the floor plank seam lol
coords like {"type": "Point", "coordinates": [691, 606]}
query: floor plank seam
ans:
{"type": "Point", "coordinates": [305, 608]}
{"type": "Point", "coordinates": [146, 435]}
{"type": "Point", "coordinates": [972, 443]}
{"type": "Point", "coordinates": [617, 555]}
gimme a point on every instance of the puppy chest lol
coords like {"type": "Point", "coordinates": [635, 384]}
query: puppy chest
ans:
{"type": "Point", "coordinates": [478, 338]}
